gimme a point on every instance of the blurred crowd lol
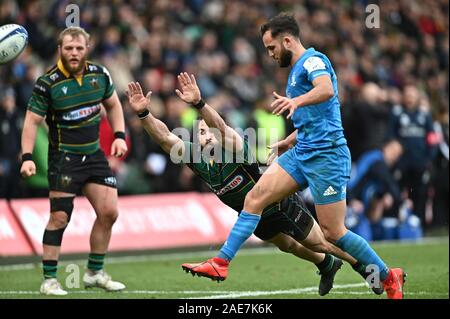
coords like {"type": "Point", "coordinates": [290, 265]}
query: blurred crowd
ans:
{"type": "Point", "coordinates": [393, 86]}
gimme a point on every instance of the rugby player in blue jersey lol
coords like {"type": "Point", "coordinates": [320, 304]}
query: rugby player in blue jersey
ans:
{"type": "Point", "coordinates": [319, 158]}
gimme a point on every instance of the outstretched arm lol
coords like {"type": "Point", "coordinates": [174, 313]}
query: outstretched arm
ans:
{"type": "Point", "coordinates": [190, 93]}
{"type": "Point", "coordinates": [154, 127]}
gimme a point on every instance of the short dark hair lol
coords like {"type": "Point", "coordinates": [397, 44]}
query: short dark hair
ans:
{"type": "Point", "coordinates": [281, 23]}
{"type": "Point", "coordinates": [222, 115]}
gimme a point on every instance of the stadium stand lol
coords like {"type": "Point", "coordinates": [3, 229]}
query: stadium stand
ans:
{"type": "Point", "coordinates": [152, 41]}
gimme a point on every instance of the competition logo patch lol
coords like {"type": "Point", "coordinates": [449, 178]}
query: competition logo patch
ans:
{"type": "Point", "coordinates": [66, 180]}
{"type": "Point", "coordinates": [94, 83]}
{"type": "Point", "coordinates": [54, 76]}
{"type": "Point", "coordinates": [81, 113]}
{"type": "Point", "coordinates": [231, 185]}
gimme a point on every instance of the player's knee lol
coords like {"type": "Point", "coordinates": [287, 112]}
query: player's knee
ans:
{"type": "Point", "coordinates": [256, 199]}
{"type": "Point", "coordinates": [58, 220]}
{"type": "Point", "coordinates": [323, 247]}
{"type": "Point", "coordinates": [108, 215]}
{"type": "Point", "coordinates": [332, 234]}
{"type": "Point", "coordinates": [286, 246]}
{"type": "Point", "coordinates": [60, 211]}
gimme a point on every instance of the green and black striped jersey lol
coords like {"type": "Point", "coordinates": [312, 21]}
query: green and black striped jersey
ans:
{"type": "Point", "coordinates": [232, 179]}
{"type": "Point", "coordinates": [72, 106]}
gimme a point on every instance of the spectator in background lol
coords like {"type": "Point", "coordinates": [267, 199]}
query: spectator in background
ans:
{"type": "Point", "coordinates": [269, 129]}
{"type": "Point", "coordinates": [373, 185]}
{"type": "Point", "coordinates": [10, 124]}
{"type": "Point", "coordinates": [440, 172]}
{"type": "Point", "coordinates": [413, 127]}
{"type": "Point", "coordinates": [366, 120]}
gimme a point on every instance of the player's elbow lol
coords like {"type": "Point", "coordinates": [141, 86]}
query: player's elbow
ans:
{"type": "Point", "coordinates": [33, 119]}
{"type": "Point", "coordinates": [328, 92]}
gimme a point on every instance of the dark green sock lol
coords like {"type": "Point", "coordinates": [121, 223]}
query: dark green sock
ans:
{"type": "Point", "coordinates": [360, 269]}
{"type": "Point", "coordinates": [49, 267]}
{"type": "Point", "coordinates": [95, 262]}
{"type": "Point", "coordinates": [326, 265]}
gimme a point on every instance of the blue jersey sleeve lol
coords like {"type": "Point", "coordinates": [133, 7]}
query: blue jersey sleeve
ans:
{"type": "Point", "coordinates": [315, 66]}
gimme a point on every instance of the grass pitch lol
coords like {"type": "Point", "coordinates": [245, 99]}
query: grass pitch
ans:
{"type": "Point", "coordinates": [255, 273]}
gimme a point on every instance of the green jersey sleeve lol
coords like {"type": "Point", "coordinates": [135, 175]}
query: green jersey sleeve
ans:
{"type": "Point", "coordinates": [40, 98]}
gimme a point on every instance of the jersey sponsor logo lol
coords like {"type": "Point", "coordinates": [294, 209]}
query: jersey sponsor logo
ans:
{"type": "Point", "coordinates": [330, 191]}
{"type": "Point", "coordinates": [92, 68]}
{"type": "Point", "coordinates": [40, 88]}
{"type": "Point", "coordinates": [314, 63]}
{"type": "Point", "coordinates": [64, 89]}
{"type": "Point", "coordinates": [54, 76]}
{"type": "Point", "coordinates": [81, 113]}
{"type": "Point", "coordinates": [413, 131]}
{"type": "Point", "coordinates": [231, 185]}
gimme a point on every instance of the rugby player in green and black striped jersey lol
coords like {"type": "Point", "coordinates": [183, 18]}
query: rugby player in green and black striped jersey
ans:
{"type": "Point", "coordinates": [287, 224]}
{"type": "Point", "coordinates": [69, 96]}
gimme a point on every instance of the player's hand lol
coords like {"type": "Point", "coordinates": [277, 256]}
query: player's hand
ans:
{"type": "Point", "coordinates": [119, 147]}
{"type": "Point", "coordinates": [28, 169]}
{"type": "Point", "coordinates": [282, 104]}
{"type": "Point", "coordinates": [190, 93]}
{"type": "Point", "coordinates": [136, 98]}
{"type": "Point", "coordinates": [276, 150]}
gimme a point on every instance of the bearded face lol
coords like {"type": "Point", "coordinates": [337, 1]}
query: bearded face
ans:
{"type": "Point", "coordinates": [73, 53]}
{"type": "Point", "coordinates": [276, 49]}
{"type": "Point", "coordinates": [285, 57]}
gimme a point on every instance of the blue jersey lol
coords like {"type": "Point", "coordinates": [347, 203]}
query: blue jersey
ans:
{"type": "Point", "coordinates": [318, 125]}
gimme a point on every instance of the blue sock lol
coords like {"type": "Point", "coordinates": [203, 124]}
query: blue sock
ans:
{"type": "Point", "coordinates": [359, 249]}
{"type": "Point", "coordinates": [241, 231]}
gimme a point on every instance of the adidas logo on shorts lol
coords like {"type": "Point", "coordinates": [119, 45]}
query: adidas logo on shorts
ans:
{"type": "Point", "coordinates": [330, 191]}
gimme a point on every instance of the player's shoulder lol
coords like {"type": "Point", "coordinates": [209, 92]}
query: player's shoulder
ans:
{"type": "Point", "coordinates": [314, 60]}
{"type": "Point", "coordinates": [96, 68]}
{"type": "Point", "coordinates": [49, 77]}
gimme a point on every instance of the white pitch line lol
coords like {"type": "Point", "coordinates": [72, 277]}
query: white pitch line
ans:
{"type": "Point", "coordinates": [136, 292]}
{"type": "Point", "coordinates": [275, 292]}
{"type": "Point", "coordinates": [233, 294]}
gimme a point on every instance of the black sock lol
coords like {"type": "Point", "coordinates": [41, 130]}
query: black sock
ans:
{"type": "Point", "coordinates": [49, 267]}
{"type": "Point", "coordinates": [360, 268]}
{"type": "Point", "coordinates": [325, 265]}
